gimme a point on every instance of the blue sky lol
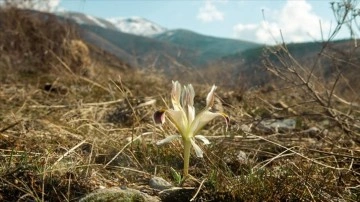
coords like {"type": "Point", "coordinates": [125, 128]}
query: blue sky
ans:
{"type": "Point", "coordinates": [298, 20]}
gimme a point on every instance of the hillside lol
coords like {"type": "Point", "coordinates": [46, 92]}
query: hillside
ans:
{"type": "Point", "coordinates": [210, 48]}
{"type": "Point", "coordinates": [323, 59]}
{"type": "Point", "coordinates": [81, 19]}
{"type": "Point", "coordinates": [182, 52]}
{"type": "Point", "coordinates": [185, 47]}
{"type": "Point", "coordinates": [146, 52]}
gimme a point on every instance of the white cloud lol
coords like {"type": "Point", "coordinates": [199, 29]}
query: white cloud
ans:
{"type": "Point", "coordinates": [209, 13]}
{"type": "Point", "coordinates": [245, 31]}
{"type": "Point", "coordinates": [41, 5]}
{"type": "Point", "coordinates": [296, 20]}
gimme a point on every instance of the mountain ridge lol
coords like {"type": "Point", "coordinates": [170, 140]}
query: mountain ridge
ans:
{"type": "Point", "coordinates": [137, 25]}
{"type": "Point", "coordinates": [185, 47]}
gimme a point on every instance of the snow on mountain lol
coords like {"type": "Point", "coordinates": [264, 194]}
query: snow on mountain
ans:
{"type": "Point", "coordinates": [137, 26]}
{"type": "Point", "coordinates": [81, 18]}
{"type": "Point", "coordinates": [96, 21]}
{"type": "Point", "coordinates": [133, 25]}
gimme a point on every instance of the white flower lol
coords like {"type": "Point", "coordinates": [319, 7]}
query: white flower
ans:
{"type": "Point", "coordinates": [183, 117]}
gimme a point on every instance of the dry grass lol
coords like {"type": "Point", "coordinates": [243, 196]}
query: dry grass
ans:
{"type": "Point", "coordinates": [63, 135]}
{"type": "Point", "coordinates": [59, 146]}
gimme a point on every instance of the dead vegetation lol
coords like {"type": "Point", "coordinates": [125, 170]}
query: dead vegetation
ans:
{"type": "Point", "coordinates": [63, 135]}
{"type": "Point", "coordinates": [33, 41]}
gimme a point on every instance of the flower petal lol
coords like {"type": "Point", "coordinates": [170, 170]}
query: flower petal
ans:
{"type": "Point", "coordinates": [175, 95]}
{"type": "Point", "coordinates": [179, 119]}
{"type": "Point", "coordinates": [198, 151]}
{"type": "Point", "coordinates": [210, 97]}
{"type": "Point", "coordinates": [191, 114]}
{"type": "Point", "coordinates": [202, 119]}
{"type": "Point", "coordinates": [203, 139]}
{"type": "Point", "coordinates": [159, 117]}
{"type": "Point", "coordinates": [188, 95]}
{"type": "Point", "coordinates": [167, 139]}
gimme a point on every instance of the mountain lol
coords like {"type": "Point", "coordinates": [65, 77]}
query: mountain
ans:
{"type": "Point", "coordinates": [178, 46]}
{"type": "Point", "coordinates": [137, 25]}
{"type": "Point", "coordinates": [248, 68]}
{"type": "Point", "coordinates": [142, 43]}
{"type": "Point", "coordinates": [82, 19]}
{"type": "Point", "coordinates": [138, 50]}
{"type": "Point", "coordinates": [210, 48]}
{"type": "Point", "coordinates": [132, 25]}
{"type": "Point", "coordinates": [188, 55]}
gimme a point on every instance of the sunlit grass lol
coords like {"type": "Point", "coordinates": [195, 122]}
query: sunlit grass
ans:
{"type": "Point", "coordinates": [61, 146]}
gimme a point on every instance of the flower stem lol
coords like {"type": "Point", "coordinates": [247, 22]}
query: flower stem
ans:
{"type": "Point", "coordinates": [187, 147]}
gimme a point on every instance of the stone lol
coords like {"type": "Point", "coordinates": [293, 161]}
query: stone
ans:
{"type": "Point", "coordinates": [159, 183]}
{"type": "Point", "coordinates": [277, 125]}
{"type": "Point", "coordinates": [242, 157]}
{"type": "Point", "coordinates": [116, 194]}
{"type": "Point", "coordinates": [246, 128]}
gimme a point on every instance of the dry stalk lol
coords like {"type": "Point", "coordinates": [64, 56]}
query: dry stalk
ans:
{"type": "Point", "coordinates": [306, 157]}
{"type": "Point", "coordinates": [68, 152]}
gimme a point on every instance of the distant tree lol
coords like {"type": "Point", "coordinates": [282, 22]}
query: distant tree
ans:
{"type": "Point", "coordinates": [41, 5]}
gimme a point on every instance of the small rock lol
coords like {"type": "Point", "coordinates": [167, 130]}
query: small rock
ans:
{"type": "Point", "coordinates": [277, 125]}
{"type": "Point", "coordinates": [242, 157]}
{"type": "Point", "coordinates": [246, 128]}
{"type": "Point", "coordinates": [116, 194]}
{"type": "Point", "coordinates": [159, 183]}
